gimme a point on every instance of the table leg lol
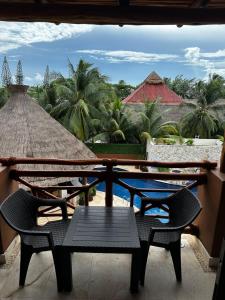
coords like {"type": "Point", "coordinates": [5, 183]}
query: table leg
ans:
{"type": "Point", "coordinates": [56, 253]}
{"type": "Point", "coordinates": [135, 271]}
{"type": "Point", "coordinates": [67, 271]}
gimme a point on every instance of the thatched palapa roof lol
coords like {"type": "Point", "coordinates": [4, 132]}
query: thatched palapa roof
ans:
{"type": "Point", "coordinates": [27, 130]}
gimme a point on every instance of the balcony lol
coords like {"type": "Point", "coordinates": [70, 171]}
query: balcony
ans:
{"type": "Point", "coordinates": [106, 276]}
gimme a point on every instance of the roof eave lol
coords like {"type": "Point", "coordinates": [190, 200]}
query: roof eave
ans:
{"type": "Point", "coordinates": [111, 14]}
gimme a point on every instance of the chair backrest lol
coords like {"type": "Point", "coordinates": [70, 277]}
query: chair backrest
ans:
{"type": "Point", "coordinates": [19, 210]}
{"type": "Point", "coordinates": [184, 207]}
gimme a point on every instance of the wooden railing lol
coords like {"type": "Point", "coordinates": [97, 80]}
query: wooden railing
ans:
{"type": "Point", "coordinates": [109, 175]}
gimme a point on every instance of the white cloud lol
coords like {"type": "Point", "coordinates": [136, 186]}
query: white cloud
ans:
{"type": "Point", "coordinates": [207, 60]}
{"type": "Point", "coordinates": [219, 53]}
{"type": "Point", "coordinates": [14, 35]}
{"type": "Point", "coordinates": [38, 77]}
{"type": "Point", "coordinates": [28, 79]}
{"type": "Point", "coordinates": [118, 56]}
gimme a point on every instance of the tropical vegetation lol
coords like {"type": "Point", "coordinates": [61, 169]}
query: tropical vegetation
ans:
{"type": "Point", "coordinates": [91, 108]}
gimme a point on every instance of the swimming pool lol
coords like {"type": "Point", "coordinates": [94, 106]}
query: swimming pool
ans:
{"type": "Point", "coordinates": [139, 183]}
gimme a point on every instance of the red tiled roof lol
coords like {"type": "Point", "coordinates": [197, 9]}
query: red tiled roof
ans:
{"type": "Point", "coordinates": [151, 89]}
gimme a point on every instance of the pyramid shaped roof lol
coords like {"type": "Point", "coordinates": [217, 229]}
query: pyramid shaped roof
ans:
{"type": "Point", "coordinates": [27, 130]}
{"type": "Point", "coordinates": [153, 88]}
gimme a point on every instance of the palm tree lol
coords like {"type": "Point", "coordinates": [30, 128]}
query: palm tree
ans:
{"type": "Point", "coordinates": [150, 124]}
{"type": "Point", "coordinates": [78, 99]}
{"type": "Point", "coordinates": [116, 124]}
{"type": "Point", "coordinates": [203, 119]}
{"type": "Point", "coordinates": [122, 89]}
{"type": "Point", "coordinates": [182, 86]}
{"type": "Point", "coordinates": [45, 96]}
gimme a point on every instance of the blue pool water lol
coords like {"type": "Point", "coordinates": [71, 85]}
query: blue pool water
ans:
{"type": "Point", "coordinates": [139, 183]}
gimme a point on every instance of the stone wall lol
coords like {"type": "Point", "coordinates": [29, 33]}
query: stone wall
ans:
{"type": "Point", "coordinates": [179, 153]}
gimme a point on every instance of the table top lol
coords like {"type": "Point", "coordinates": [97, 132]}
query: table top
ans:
{"type": "Point", "coordinates": [102, 229]}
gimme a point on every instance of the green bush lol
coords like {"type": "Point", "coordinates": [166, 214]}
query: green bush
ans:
{"type": "Point", "coordinates": [163, 169]}
{"type": "Point", "coordinates": [166, 141]}
{"type": "Point", "coordinates": [189, 142]}
{"type": "Point", "coordinates": [81, 200]}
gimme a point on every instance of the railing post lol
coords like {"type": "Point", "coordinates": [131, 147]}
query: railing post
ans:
{"type": "Point", "coordinates": [222, 159]}
{"type": "Point", "coordinates": [131, 198]}
{"type": "Point", "coordinates": [109, 184]}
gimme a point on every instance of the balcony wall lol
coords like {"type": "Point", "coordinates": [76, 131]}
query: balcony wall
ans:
{"type": "Point", "coordinates": [211, 219]}
{"type": "Point", "coordinates": [7, 186]}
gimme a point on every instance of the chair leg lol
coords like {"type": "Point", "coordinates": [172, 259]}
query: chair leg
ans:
{"type": "Point", "coordinates": [25, 257]}
{"type": "Point", "coordinates": [144, 258]}
{"type": "Point", "coordinates": [175, 250]}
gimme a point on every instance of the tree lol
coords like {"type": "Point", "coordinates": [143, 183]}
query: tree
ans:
{"type": "Point", "coordinates": [182, 86]}
{"type": "Point", "coordinates": [71, 70]}
{"type": "Point", "coordinates": [6, 74]}
{"type": "Point", "coordinates": [150, 124]}
{"type": "Point", "coordinates": [45, 96]}
{"type": "Point", "coordinates": [78, 99]}
{"type": "Point", "coordinates": [19, 73]}
{"type": "Point", "coordinates": [3, 96]}
{"type": "Point", "coordinates": [117, 125]}
{"type": "Point", "coordinates": [46, 80]}
{"type": "Point", "coordinates": [122, 89]}
{"type": "Point", "coordinates": [203, 119]}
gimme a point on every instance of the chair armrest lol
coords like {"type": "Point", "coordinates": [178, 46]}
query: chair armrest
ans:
{"type": "Point", "coordinates": [54, 203]}
{"type": "Point", "coordinates": [155, 202]}
{"type": "Point", "coordinates": [166, 229]}
{"type": "Point", "coordinates": [46, 233]}
{"type": "Point", "coordinates": [149, 200]}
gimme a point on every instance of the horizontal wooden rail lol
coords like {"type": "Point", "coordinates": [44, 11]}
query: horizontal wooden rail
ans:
{"type": "Point", "coordinates": [8, 161]}
{"type": "Point", "coordinates": [162, 176]}
{"type": "Point", "coordinates": [193, 164]}
{"type": "Point", "coordinates": [57, 173]}
{"type": "Point", "coordinates": [62, 187]}
{"type": "Point", "coordinates": [100, 174]}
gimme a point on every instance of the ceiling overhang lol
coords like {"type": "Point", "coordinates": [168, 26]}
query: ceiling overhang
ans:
{"type": "Point", "coordinates": [192, 12]}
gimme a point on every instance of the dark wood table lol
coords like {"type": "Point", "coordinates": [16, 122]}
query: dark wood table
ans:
{"type": "Point", "coordinates": [98, 229]}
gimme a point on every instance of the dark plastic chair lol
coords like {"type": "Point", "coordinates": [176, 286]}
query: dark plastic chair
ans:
{"type": "Point", "coordinates": [183, 207]}
{"type": "Point", "coordinates": [20, 212]}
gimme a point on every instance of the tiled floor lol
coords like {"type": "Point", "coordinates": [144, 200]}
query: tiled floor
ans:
{"type": "Point", "coordinates": [106, 277]}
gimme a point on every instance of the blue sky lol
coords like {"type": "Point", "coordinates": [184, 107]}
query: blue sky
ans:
{"type": "Point", "coordinates": [129, 52]}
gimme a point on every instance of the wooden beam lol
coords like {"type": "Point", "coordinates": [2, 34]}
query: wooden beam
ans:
{"type": "Point", "coordinates": [124, 2]}
{"type": "Point", "coordinates": [97, 14]}
{"type": "Point", "coordinates": [200, 3]}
